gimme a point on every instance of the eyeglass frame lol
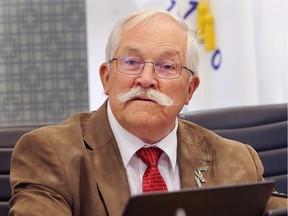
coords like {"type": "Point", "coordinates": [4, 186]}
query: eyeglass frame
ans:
{"type": "Point", "coordinates": [188, 69]}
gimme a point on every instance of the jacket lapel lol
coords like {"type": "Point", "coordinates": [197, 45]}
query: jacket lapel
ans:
{"type": "Point", "coordinates": [195, 154]}
{"type": "Point", "coordinates": [107, 162]}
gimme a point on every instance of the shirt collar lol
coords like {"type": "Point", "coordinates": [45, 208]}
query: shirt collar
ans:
{"type": "Point", "coordinates": [128, 143]}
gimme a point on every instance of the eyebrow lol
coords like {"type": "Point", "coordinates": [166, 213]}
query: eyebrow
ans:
{"type": "Point", "coordinates": [132, 49]}
{"type": "Point", "coordinates": [165, 52]}
{"type": "Point", "coordinates": [170, 52]}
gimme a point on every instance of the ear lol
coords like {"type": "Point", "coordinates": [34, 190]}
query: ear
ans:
{"type": "Point", "coordinates": [193, 85]}
{"type": "Point", "coordinates": [104, 76]}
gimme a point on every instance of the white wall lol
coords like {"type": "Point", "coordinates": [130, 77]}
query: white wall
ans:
{"type": "Point", "coordinates": [251, 36]}
{"type": "Point", "coordinates": [271, 36]}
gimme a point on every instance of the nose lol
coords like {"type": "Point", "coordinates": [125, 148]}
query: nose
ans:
{"type": "Point", "coordinates": [147, 77]}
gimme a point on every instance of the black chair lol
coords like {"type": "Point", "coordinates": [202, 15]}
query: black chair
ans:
{"type": "Point", "coordinates": [264, 127]}
{"type": "Point", "coordinates": [8, 138]}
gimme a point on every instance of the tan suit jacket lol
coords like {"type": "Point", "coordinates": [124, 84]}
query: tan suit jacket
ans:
{"type": "Point", "coordinates": [75, 168]}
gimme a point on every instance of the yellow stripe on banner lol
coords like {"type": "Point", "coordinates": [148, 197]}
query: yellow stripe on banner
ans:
{"type": "Point", "coordinates": [205, 26]}
{"type": "Point", "coordinates": [202, 10]}
{"type": "Point", "coordinates": [209, 39]}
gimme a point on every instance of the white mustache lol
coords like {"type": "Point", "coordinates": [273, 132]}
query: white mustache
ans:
{"type": "Point", "coordinates": [150, 94]}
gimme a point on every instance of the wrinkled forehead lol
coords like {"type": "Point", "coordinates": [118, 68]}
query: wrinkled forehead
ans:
{"type": "Point", "coordinates": [160, 35]}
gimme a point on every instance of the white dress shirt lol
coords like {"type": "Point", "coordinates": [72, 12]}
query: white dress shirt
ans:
{"type": "Point", "coordinates": [129, 144]}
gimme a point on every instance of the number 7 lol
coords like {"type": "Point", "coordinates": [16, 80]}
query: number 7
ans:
{"type": "Point", "coordinates": [193, 7]}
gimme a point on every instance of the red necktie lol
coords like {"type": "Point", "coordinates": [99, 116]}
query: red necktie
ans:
{"type": "Point", "coordinates": [152, 179]}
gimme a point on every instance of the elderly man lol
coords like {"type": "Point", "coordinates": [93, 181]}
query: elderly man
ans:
{"type": "Point", "coordinates": [93, 162]}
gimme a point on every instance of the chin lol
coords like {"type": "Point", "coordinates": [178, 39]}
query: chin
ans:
{"type": "Point", "coordinates": [147, 118]}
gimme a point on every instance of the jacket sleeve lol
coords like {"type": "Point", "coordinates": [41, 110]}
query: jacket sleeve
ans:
{"type": "Point", "coordinates": [275, 201]}
{"type": "Point", "coordinates": [38, 181]}
{"type": "Point", "coordinates": [257, 162]}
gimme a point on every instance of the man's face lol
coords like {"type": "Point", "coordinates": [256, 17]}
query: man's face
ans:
{"type": "Point", "coordinates": [159, 40]}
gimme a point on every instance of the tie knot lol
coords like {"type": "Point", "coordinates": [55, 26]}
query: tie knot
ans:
{"type": "Point", "coordinates": [150, 156]}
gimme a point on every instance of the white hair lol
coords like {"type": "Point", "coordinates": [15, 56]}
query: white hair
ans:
{"type": "Point", "coordinates": [128, 22]}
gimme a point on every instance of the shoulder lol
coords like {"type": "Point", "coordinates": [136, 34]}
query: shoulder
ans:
{"type": "Point", "coordinates": [210, 139]}
{"type": "Point", "coordinates": [68, 133]}
{"type": "Point", "coordinates": [187, 128]}
{"type": "Point", "coordinates": [75, 123]}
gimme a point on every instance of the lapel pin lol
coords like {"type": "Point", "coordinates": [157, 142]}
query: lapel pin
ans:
{"type": "Point", "coordinates": [198, 182]}
{"type": "Point", "coordinates": [199, 176]}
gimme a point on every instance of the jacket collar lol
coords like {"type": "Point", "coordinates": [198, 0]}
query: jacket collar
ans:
{"type": "Point", "coordinates": [110, 173]}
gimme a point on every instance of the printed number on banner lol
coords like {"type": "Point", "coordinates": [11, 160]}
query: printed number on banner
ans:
{"type": "Point", "coordinates": [216, 59]}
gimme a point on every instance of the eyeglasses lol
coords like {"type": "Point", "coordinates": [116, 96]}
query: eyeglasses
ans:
{"type": "Point", "coordinates": [164, 69]}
